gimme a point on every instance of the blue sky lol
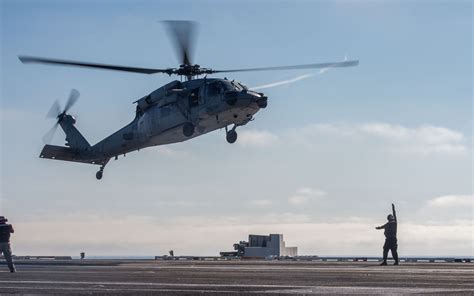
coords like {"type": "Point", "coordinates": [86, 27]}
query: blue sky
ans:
{"type": "Point", "coordinates": [327, 156]}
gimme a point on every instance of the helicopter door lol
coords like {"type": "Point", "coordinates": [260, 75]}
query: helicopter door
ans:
{"type": "Point", "coordinates": [194, 98]}
{"type": "Point", "coordinates": [202, 94]}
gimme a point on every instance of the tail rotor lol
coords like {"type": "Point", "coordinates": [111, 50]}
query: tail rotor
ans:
{"type": "Point", "coordinates": [55, 112]}
{"type": "Point", "coordinates": [73, 97]}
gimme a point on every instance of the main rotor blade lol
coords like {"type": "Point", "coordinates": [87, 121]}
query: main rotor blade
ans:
{"type": "Point", "coordinates": [295, 67]}
{"type": "Point", "coordinates": [183, 34]}
{"type": "Point", "coordinates": [73, 97]}
{"type": "Point", "coordinates": [39, 60]}
{"type": "Point", "coordinates": [48, 137]}
{"type": "Point", "coordinates": [54, 111]}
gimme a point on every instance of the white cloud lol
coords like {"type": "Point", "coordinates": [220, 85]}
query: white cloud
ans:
{"type": "Point", "coordinates": [450, 201]}
{"type": "Point", "coordinates": [298, 199]}
{"type": "Point", "coordinates": [446, 209]}
{"type": "Point", "coordinates": [304, 195]}
{"type": "Point", "coordinates": [207, 235]}
{"type": "Point", "coordinates": [180, 203]}
{"type": "Point", "coordinates": [255, 138]}
{"type": "Point", "coordinates": [170, 152]}
{"type": "Point", "coordinates": [260, 203]}
{"type": "Point", "coordinates": [424, 140]}
{"type": "Point", "coordinates": [311, 191]}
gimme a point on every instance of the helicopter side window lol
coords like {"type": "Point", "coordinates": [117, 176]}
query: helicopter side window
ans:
{"type": "Point", "coordinates": [213, 89]}
{"type": "Point", "coordinates": [200, 99]}
{"type": "Point", "coordinates": [194, 98]}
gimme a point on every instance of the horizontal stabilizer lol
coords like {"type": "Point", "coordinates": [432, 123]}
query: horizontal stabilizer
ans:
{"type": "Point", "coordinates": [67, 154]}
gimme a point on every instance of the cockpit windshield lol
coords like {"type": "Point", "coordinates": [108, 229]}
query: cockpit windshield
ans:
{"type": "Point", "coordinates": [219, 87]}
{"type": "Point", "coordinates": [222, 86]}
{"type": "Point", "coordinates": [238, 86]}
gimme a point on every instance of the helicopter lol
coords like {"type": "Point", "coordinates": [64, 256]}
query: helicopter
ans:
{"type": "Point", "coordinates": [178, 111]}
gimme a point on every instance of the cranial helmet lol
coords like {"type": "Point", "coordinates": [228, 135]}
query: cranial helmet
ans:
{"type": "Point", "coordinates": [390, 217]}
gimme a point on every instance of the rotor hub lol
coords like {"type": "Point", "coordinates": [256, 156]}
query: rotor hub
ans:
{"type": "Point", "coordinates": [190, 70]}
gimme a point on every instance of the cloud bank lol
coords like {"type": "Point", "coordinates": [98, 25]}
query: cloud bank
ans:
{"type": "Point", "coordinates": [421, 140]}
{"type": "Point", "coordinates": [197, 235]}
{"type": "Point", "coordinates": [256, 138]}
{"type": "Point", "coordinates": [451, 201]}
{"type": "Point", "coordinates": [304, 195]}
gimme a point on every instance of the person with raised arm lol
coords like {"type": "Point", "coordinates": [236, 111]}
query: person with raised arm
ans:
{"type": "Point", "coordinates": [390, 231]}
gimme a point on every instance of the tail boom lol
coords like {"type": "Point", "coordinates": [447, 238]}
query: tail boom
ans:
{"type": "Point", "coordinates": [74, 138]}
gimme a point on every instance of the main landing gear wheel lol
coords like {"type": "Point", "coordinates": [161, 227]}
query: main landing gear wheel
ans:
{"type": "Point", "coordinates": [188, 129]}
{"type": "Point", "coordinates": [231, 136]}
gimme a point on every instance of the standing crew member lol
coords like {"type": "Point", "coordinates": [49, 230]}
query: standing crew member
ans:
{"type": "Point", "coordinates": [390, 237]}
{"type": "Point", "coordinates": [5, 231]}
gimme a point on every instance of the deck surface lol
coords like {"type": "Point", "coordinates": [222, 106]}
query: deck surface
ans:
{"type": "Point", "coordinates": [132, 277]}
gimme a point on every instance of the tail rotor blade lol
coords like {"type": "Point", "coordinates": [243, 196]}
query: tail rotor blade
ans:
{"type": "Point", "coordinates": [73, 96]}
{"type": "Point", "coordinates": [48, 137]}
{"type": "Point", "coordinates": [54, 111]}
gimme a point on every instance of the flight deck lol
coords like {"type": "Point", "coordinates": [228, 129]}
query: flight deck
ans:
{"type": "Point", "coordinates": [234, 277]}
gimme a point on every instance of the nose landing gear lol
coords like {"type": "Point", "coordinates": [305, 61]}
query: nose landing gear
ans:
{"type": "Point", "coordinates": [231, 136]}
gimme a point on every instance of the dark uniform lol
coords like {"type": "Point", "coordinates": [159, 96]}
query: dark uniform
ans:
{"type": "Point", "coordinates": [5, 248]}
{"type": "Point", "coordinates": [390, 232]}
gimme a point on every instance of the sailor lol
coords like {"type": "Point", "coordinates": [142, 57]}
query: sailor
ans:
{"type": "Point", "coordinates": [5, 248]}
{"type": "Point", "coordinates": [390, 231]}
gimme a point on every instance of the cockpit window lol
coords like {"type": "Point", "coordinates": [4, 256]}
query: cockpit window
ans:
{"type": "Point", "coordinates": [227, 85]}
{"type": "Point", "coordinates": [242, 86]}
{"type": "Point", "coordinates": [219, 87]}
{"type": "Point", "coordinates": [238, 86]}
{"type": "Point", "coordinates": [214, 88]}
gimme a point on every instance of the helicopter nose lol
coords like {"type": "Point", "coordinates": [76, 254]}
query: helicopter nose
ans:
{"type": "Point", "coordinates": [258, 98]}
{"type": "Point", "coordinates": [246, 97]}
{"type": "Point", "coordinates": [262, 101]}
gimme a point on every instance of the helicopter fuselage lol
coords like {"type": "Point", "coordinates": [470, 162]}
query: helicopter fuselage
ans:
{"type": "Point", "coordinates": [175, 112]}
{"type": "Point", "coordinates": [180, 111]}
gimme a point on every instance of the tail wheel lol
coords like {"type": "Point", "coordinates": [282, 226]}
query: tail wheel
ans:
{"type": "Point", "coordinates": [231, 136]}
{"type": "Point", "coordinates": [99, 173]}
